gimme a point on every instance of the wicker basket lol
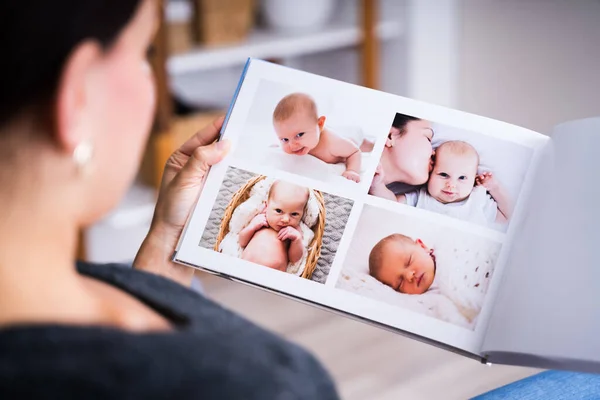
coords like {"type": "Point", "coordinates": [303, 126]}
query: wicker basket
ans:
{"type": "Point", "coordinates": [219, 22]}
{"type": "Point", "coordinates": [314, 248]}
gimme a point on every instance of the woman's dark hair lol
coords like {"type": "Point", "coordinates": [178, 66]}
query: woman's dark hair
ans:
{"type": "Point", "coordinates": [37, 37]}
{"type": "Point", "coordinates": [400, 121]}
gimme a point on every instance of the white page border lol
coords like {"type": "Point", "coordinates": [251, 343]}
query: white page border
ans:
{"type": "Point", "coordinates": [383, 105]}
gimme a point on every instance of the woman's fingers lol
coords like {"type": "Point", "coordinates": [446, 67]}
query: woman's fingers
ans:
{"type": "Point", "coordinates": [180, 157]}
{"type": "Point", "coordinates": [204, 137]}
{"type": "Point", "coordinates": [199, 162]}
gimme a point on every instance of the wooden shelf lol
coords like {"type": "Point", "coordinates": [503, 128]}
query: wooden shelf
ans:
{"type": "Point", "coordinates": [164, 143]}
{"type": "Point", "coordinates": [266, 44]}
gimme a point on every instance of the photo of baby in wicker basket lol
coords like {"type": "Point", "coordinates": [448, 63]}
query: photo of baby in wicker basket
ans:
{"type": "Point", "coordinates": [276, 224]}
{"type": "Point", "coordinates": [420, 266]}
{"type": "Point", "coordinates": [306, 132]}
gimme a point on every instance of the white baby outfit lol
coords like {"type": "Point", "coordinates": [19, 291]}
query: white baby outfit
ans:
{"type": "Point", "coordinates": [464, 272]}
{"type": "Point", "coordinates": [479, 208]}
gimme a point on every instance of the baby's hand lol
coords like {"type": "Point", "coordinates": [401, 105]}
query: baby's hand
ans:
{"type": "Point", "coordinates": [260, 221]}
{"type": "Point", "coordinates": [487, 180]}
{"type": "Point", "coordinates": [290, 233]}
{"type": "Point", "coordinates": [351, 175]}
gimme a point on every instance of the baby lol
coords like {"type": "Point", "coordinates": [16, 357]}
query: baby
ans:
{"type": "Point", "coordinates": [404, 264]}
{"type": "Point", "coordinates": [273, 238]}
{"type": "Point", "coordinates": [455, 189]}
{"type": "Point", "coordinates": [302, 131]}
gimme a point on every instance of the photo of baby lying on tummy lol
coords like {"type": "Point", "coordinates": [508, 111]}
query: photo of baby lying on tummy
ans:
{"type": "Point", "coordinates": [307, 132]}
{"type": "Point", "coordinates": [277, 224]}
{"type": "Point", "coordinates": [273, 238]}
{"type": "Point", "coordinates": [419, 266]}
{"type": "Point", "coordinates": [301, 131]}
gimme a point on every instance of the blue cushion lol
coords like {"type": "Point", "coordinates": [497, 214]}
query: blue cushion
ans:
{"type": "Point", "coordinates": [549, 385]}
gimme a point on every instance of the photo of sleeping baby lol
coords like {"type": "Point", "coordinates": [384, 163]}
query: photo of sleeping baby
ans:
{"type": "Point", "coordinates": [421, 267]}
{"type": "Point", "coordinates": [469, 176]}
{"type": "Point", "coordinates": [276, 224]}
{"type": "Point", "coordinates": [306, 134]}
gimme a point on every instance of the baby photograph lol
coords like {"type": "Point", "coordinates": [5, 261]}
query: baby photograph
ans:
{"type": "Point", "coordinates": [276, 224]}
{"type": "Point", "coordinates": [465, 175]}
{"type": "Point", "coordinates": [422, 267]}
{"type": "Point", "coordinates": [306, 133]}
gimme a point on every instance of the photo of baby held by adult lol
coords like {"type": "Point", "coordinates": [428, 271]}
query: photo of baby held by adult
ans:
{"type": "Point", "coordinates": [307, 133]}
{"type": "Point", "coordinates": [470, 176]}
{"type": "Point", "coordinates": [419, 266]}
{"type": "Point", "coordinates": [276, 224]}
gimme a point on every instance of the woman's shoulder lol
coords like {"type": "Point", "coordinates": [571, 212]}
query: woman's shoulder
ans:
{"type": "Point", "coordinates": [214, 353]}
{"type": "Point", "coordinates": [107, 363]}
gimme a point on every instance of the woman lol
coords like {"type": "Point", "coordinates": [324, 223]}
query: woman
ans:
{"type": "Point", "coordinates": [406, 159]}
{"type": "Point", "coordinates": [77, 101]}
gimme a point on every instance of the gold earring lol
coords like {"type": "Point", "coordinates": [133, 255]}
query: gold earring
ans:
{"type": "Point", "coordinates": [83, 154]}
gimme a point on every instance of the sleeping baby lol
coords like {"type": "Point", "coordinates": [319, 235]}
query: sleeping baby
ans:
{"type": "Point", "coordinates": [455, 189]}
{"type": "Point", "coordinates": [409, 266]}
{"type": "Point", "coordinates": [406, 265]}
{"type": "Point", "coordinates": [302, 131]}
{"type": "Point", "coordinates": [273, 238]}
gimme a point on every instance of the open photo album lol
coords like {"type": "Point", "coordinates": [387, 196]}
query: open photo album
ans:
{"type": "Point", "coordinates": [465, 232]}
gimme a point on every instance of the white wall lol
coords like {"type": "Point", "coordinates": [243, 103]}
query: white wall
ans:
{"type": "Point", "coordinates": [534, 63]}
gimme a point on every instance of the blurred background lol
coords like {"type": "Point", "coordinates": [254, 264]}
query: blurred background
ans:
{"type": "Point", "coordinates": [534, 63]}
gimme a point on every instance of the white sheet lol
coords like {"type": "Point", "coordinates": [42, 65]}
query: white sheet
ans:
{"type": "Point", "coordinates": [262, 147]}
{"type": "Point", "coordinates": [432, 304]}
{"type": "Point", "coordinates": [463, 260]}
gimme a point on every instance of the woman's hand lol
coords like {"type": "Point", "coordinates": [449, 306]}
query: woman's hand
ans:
{"type": "Point", "coordinates": [379, 178]}
{"type": "Point", "coordinates": [182, 182]}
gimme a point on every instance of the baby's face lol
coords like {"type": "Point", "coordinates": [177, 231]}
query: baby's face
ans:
{"type": "Point", "coordinates": [407, 267]}
{"type": "Point", "coordinates": [298, 134]}
{"type": "Point", "coordinates": [453, 177]}
{"type": "Point", "coordinates": [285, 208]}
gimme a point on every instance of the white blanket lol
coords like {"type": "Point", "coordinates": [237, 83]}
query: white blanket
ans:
{"type": "Point", "coordinates": [432, 303]}
{"type": "Point", "coordinates": [264, 149]}
{"type": "Point", "coordinates": [465, 265]}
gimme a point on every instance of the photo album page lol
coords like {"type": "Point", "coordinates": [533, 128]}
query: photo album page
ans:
{"type": "Point", "coordinates": [383, 208]}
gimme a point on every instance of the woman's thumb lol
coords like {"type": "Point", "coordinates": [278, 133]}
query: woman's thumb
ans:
{"type": "Point", "coordinates": [201, 160]}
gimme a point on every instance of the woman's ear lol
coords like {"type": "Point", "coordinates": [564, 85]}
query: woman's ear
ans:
{"type": "Point", "coordinates": [393, 134]}
{"type": "Point", "coordinates": [73, 95]}
{"type": "Point", "coordinates": [321, 122]}
{"type": "Point", "coordinates": [389, 141]}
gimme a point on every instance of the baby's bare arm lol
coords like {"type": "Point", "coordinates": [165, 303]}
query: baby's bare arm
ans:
{"type": "Point", "coordinates": [346, 149]}
{"type": "Point", "coordinates": [502, 198]}
{"type": "Point", "coordinates": [296, 251]}
{"type": "Point", "coordinates": [296, 247]}
{"type": "Point", "coordinates": [353, 162]}
{"type": "Point", "coordinates": [247, 233]}
{"type": "Point", "coordinates": [499, 194]}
